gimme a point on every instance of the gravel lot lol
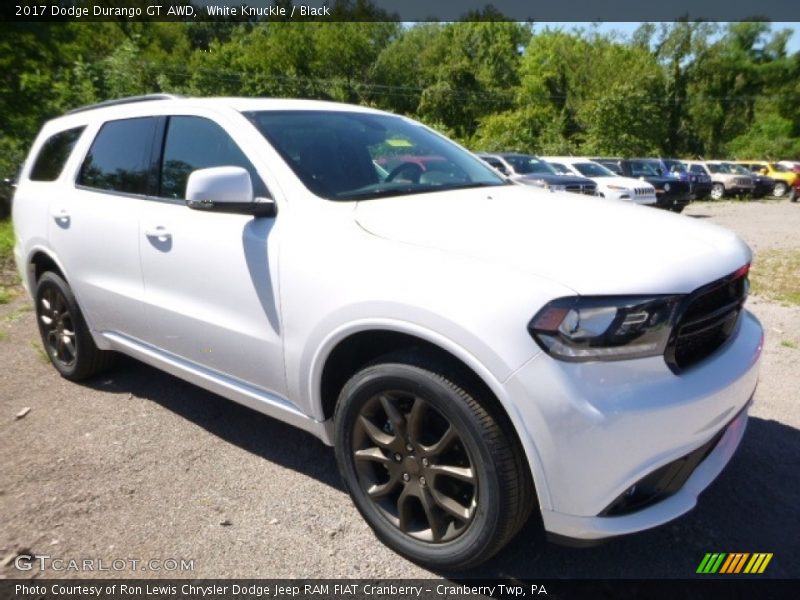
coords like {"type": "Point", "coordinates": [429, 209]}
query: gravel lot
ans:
{"type": "Point", "coordinates": [139, 465]}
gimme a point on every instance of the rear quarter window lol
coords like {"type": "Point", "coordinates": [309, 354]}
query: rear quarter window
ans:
{"type": "Point", "coordinates": [54, 154]}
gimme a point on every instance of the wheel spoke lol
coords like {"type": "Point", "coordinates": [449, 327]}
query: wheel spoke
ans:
{"type": "Point", "coordinates": [69, 346]}
{"type": "Point", "coordinates": [448, 437]}
{"type": "Point", "coordinates": [461, 473]}
{"type": "Point", "coordinates": [415, 417]}
{"type": "Point", "coordinates": [395, 416]}
{"type": "Point", "coordinates": [379, 490]}
{"type": "Point", "coordinates": [372, 454]}
{"type": "Point", "coordinates": [450, 506]}
{"type": "Point", "coordinates": [382, 439]}
{"type": "Point", "coordinates": [404, 509]}
{"type": "Point", "coordinates": [437, 524]}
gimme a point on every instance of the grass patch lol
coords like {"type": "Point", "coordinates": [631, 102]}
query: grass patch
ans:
{"type": "Point", "coordinates": [6, 240]}
{"type": "Point", "coordinates": [3, 334]}
{"type": "Point", "coordinates": [6, 295]}
{"type": "Point", "coordinates": [40, 353]}
{"type": "Point", "coordinates": [776, 276]}
{"type": "Point", "coordinates": [789, 344]}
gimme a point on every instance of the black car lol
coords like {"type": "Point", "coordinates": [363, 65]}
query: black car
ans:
{"type": "Point", "coordinates": [762, 185]}
{"type": "Point", "coordinates": [531, 170]}
{"type": "Point", "coordinates": [671, 194]}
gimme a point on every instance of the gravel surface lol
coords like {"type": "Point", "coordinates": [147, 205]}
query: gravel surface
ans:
{"type": "Point", "coordinates": [138, 465]}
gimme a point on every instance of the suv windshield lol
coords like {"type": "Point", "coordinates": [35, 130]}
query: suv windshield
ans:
{"type": "Point", "coordinates": [588, 169]}
{"type": "Point", "coordinates": [525, 165]}
{"type": "Point", "coordinates": [674, 166]}
{"type": "Point", "coordinates": [354, 156]}
{"type": "Point", "coordinates": [739, 169]}
{"type": "Point", "coordinates": [719, 168]}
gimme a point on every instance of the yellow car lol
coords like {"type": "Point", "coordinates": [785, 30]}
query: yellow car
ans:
{"type": "Point", "coordinates": [784, 177]}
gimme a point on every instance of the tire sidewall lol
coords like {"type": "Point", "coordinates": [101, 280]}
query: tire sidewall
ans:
{"type": "Point", "coordinates": [52, 280]}
{"type": "Point", "coordinates": [451, 405]}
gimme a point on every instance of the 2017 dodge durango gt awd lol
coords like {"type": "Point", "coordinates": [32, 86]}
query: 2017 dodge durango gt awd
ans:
{"type": "Point", "coordinates": [474, 350]}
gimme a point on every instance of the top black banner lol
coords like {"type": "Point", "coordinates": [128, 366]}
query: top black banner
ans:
{"type": "Point", "coordinates": [400, 10]}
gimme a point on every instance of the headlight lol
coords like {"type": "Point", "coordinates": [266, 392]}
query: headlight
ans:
{"type": "Point", "coordinates": [617, 188]}
{"type": "Point", "coordinates": [604, 328]}
{"type": "Point", "coordinates": [666, 187]}
{"type": "Point", "coordinates": [557, 188]}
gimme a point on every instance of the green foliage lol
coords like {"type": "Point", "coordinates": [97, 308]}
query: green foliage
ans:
{"type": "Point", "coordinates": [6, 240]}
{"type": "Point", "coordinates": [675, 89]}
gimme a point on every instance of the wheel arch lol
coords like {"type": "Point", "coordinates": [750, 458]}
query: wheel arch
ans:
{"type": "Point", "coordinates": [349, 352]}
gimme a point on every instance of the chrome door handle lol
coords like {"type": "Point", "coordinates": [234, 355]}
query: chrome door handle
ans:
{"type": "Point", "coordinates": [60, 216]}
{"type": "Point", "coordinates": [158, 232]}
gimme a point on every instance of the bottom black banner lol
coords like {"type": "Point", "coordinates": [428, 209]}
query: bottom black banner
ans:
{"type": "Point", "coordinates": [423, 589]}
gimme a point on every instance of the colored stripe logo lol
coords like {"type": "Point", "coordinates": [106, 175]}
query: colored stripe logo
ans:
{"type": "Point", "coordinates": [735, 562]}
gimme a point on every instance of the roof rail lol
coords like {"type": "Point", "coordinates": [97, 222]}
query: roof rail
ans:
{"type": "Point", "coordinates": [128, 100]}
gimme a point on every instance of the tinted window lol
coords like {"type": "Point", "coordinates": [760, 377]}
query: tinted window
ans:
{"type": "Point", "coordinates": [119, 157]}
{"type": "Point", "coordinates": [196, 143]}
{"type": "Point", "coordinates": [53, 154]}
{"type": "Point", "coordinates": [592, 170]}
{"type": "Point", "coordinates": [529, 164]}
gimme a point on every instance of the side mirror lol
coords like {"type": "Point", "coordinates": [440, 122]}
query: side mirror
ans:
{"type": "Point", "coordinates": [227, 190]}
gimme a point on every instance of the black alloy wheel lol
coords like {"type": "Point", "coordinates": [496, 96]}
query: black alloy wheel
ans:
{"type": "Point", "coordinates": [436, 471]}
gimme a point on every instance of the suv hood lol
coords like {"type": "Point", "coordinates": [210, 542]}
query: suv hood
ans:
{"type": "Point", "coordinates": [628, 182]}
{"type": "Point", "coordinates": [552, 179]}
{"type": "Point", "coordinates": [590, 244]}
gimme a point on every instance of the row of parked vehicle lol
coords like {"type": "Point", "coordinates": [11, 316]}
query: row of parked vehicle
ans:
{"type": "Point", "coordinates": [666, 183]}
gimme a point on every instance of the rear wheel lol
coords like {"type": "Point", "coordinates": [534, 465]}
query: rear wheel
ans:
{"type": "Point", "coordinates": [65, 336]}
{"type": "Point", "coordinates": [717, 191]}
{"type": "Point", "coordinates": [436, 475]}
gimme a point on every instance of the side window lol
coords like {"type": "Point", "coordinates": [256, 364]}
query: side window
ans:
{"type": "Point", "coordinates": [698, 169]}
{"type": "Point", "coordinates": [53, 154]}
{"type": "Point", "coordinates": [119, 159]}
{"type": "Point", "coordinates": [197, 143]}
{"type": "Point", "coordinates": [497, 165]}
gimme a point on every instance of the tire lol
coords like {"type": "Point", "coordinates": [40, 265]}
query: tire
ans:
{"type": "Point", "coordinates": [717, 191]}
{"type": "Point", "coordinates": [438, 477]}
{"type": "Point", "coordinates": [65, 336]}
{"type": "Point", "coordinates": [780, 189]}
{"type": "Point", "coordinates": [678, 208]}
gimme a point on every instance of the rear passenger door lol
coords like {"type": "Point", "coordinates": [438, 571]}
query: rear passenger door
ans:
{"type": "Point", "coordinates": [210, 278]}
{"type": "Point", "coordinates": [93, 225]}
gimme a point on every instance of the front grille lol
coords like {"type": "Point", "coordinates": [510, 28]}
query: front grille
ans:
{"type": "Point", "coordinates": [707, 320]}
{"type": "Point", "coordinates": [744, 181]}
{"type": "Point", "coordinates": [643, 191]}
{"type": "Point", "coordinates": [583, 188]}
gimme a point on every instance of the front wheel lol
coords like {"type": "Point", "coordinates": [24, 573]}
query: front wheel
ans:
{"type": "Point", "coordinates": [436, 475]}
{"type": "Point", "coordinates": [717, 191]}
{"type": "Point", "coordinates": [780, 189]}
{"type": "Point", "coordinates": [65, 336]}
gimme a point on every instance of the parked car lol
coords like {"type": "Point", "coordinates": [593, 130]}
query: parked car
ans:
{"type": "Point", "coordinates": [609, 184]}
{"type": "Point", "coordinates": [724, 182]}
{"type": "Point", "coordinates": [671, 193]}
{"type": "Point", "coordinates": [784, 177]}
{"type": "Point", "coordinates": [699, 183]}
{"type": "Point", "coordinates": [531, 170]}
{"type": "Point", "coordinates": [794, 193]}
{"type": "Point", "coordinates": [762, 185]}
{"type": "Point", "coordinates": [473, 356]}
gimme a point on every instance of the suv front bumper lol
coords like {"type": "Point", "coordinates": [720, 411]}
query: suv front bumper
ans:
{"type": "Point", "coordinates": [600, 428]}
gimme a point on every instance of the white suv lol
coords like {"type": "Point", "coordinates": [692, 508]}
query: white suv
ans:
{"type": "Point", "coordinates": [609, 184]}
{"type": "Point", "coordinates": [474, 350]}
